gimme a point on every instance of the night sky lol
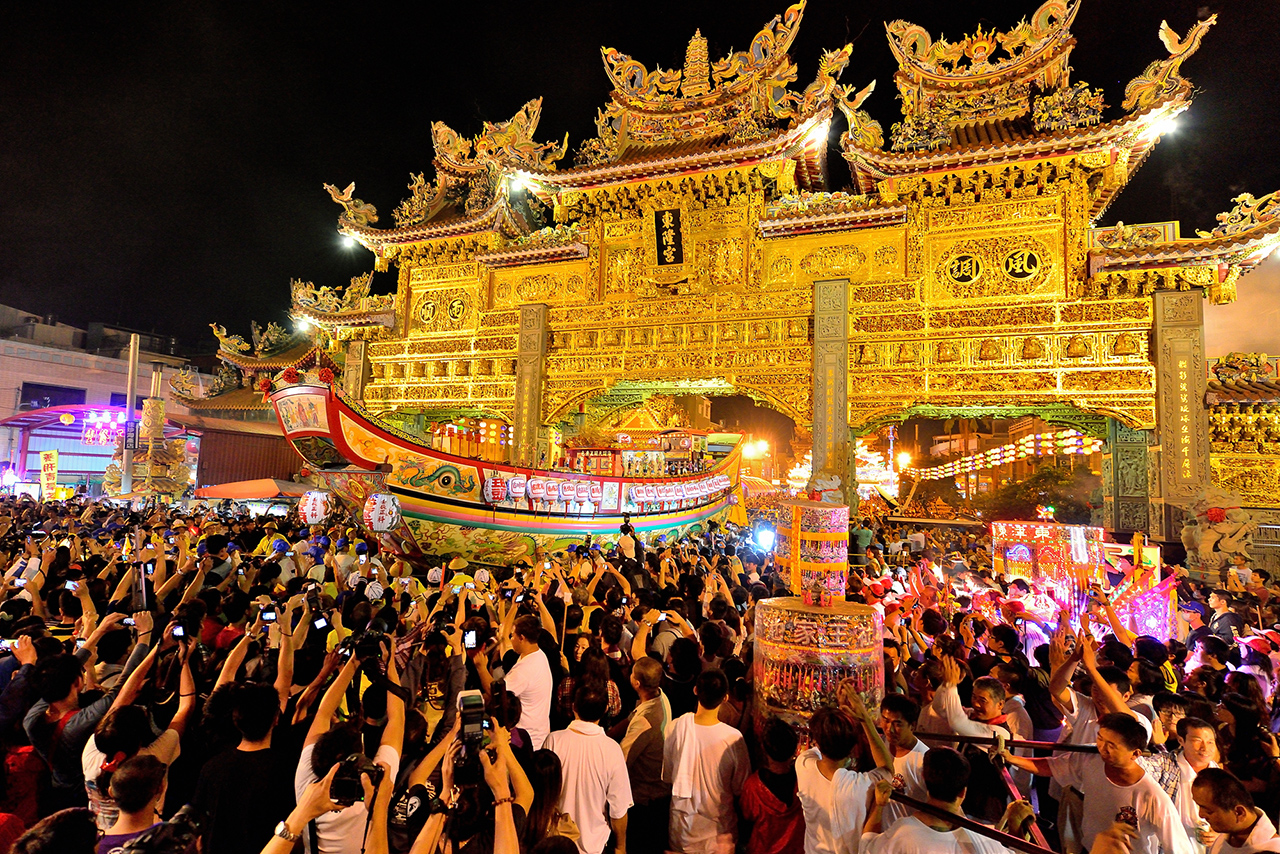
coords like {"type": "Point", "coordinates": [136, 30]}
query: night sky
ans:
{"type": "Point", "coordinates": [162, 162]}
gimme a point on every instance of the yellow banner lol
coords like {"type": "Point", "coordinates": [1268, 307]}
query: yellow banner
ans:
{"type": "Point", "coordinates": [48, 474]}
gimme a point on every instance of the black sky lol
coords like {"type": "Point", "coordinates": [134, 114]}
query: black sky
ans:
{"type": "Point", "coordinates": [162, 162]}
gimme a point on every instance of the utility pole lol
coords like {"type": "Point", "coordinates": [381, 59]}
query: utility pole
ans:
{"type": "Point", "coordinates": [126, 463]}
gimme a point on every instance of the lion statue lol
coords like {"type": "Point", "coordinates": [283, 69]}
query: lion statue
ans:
{"type": "Point", "coordinates": [824, 486]}
{"type": "Point", "coordinates": [1217, 529]}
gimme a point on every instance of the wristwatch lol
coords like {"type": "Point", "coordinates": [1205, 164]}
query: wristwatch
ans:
{"type": "Point", "coordinates": [282, 830]}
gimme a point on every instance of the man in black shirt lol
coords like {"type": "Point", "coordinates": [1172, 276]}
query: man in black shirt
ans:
{"type": "Point", "coordinates": [244, 792]}
{"type": "Point", "coordinates": [1194, 612]}
{"type": "Point", "coordinates": [1224, 623]}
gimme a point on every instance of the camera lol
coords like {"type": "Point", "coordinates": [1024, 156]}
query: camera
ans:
{"type": "Point", "coordinates": [467, 770]}
{"type": "Point", "coordinates": [346, 788]}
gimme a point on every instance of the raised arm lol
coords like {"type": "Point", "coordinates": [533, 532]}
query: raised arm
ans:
{"type": "Point", "coordinates": [333, 698]}
{"type": "Point", "coordinates": [1063, 664]}
{"type": "Point", "coordinates": [1111, 698]}
{"type": "Point", "coordinates": [851, 703]}
{"type": "Point", "coordinates": [186, 692]}
{"type": "Point", "coordinates": [393, 732]}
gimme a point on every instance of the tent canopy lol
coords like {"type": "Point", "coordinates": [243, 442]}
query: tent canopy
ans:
{"type": "Point", "coordinates": [245, 490]}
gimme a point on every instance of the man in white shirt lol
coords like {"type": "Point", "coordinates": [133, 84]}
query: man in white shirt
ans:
{"type": "Point", "coordinates": [596, 792]}
{"type": "Point", "coordinates": [1175, 772]}
{"type": "Point", "coordinates": [343, 832]}
{"type": "Point", "coordinates": [898, 714]}
{"type": "Point", "coordinates": [1226, 805]}
{"type": "Point", "coordinates": [1116, 787]}
{"type": "Point", "coordinates": [706, 763]}
{"type": "Point", "coordinates": [946, 775]}
{"type": "Point", "coordinates": [529, 679]}
{"type": "Point", "coordinates": [833, 797]}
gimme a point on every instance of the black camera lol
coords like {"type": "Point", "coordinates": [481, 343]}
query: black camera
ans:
{"type": "Point", "coordinates": [467, 770]}
{"type": "Point", "coordinates": [346, 787]}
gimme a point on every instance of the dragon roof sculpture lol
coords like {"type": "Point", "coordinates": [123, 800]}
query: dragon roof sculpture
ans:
{"type": "Point", "coordinates": [982, 77]}
{"type": "Point", "coordinates": [743, 97]}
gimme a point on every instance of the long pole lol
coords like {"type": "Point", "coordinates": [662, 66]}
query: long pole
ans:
{"type": "Point", "coordinates": [1031, 745]}
{"type": "Point", "coordinates": [131, 383]}
{"type": "Point", "coordinates": [1008, 840]}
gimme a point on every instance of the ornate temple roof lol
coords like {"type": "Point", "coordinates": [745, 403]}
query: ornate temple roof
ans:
{"type": "Point", "coordinates": [995, 97]}
{"type": "Point", "coordinates": [1244, 237]}
{"type": "Point", "coordinates": [1242, 391]}
{"type": "Point", "coordinates": [735, 111]}
{"type": "Point", "coordinates": [351, 307]}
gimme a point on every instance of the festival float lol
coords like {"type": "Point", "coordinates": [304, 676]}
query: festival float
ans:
{"type": "Point", "coordinates": [1063, 563]}
{"type": "Point", "coordinates": [487, 509]}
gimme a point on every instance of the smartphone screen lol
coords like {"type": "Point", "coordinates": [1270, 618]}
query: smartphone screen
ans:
{"type": "Point", "coordinates": [320, 623]}
{"type": "Point", "coordinates": [469, 639]}
{"type": "Point", "coordinates": [179, 632]}
{"type": "Point", "coordinates": [6, 646]}
{"type": "Point", "coordinates": [19, 582]}
{"type": "Point", "coordinates": [151, 568]}
{"type": "Point", "coordinates": [130, 621]}
{"type": "Point", "coordinates": [269, 616]}
{"type": "Point", "coordinates": [661, 617]}
{"type": "Point", "coordinates": [72, 586]}
{"type": "Point", "coordinates": [364, 559]}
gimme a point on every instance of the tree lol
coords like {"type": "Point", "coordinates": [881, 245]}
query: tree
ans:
{"type": "Point", "coordinates": [1065, 491]}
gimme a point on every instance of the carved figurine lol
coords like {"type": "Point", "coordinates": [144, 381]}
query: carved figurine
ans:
{"type": "Point", "coordinates": [1160, 81]}
{"type": "Point", "coordinates": [1077, 347]}
{"type": "Point", "coordinates": [824, 486]}
{"type": "Point", "coordinates": [231, 343]}
{"type": "Point", "coordinates": [1032, 349]}
{"type": "Point", "coordinates": [355, 210]}
{"type": "Point", "coordinates": [990, 350]}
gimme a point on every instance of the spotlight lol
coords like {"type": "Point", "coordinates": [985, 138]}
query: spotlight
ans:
{"type": "Point", "coordinates": [349, 242]}
{"type": "Point", "coordinates": [765, 538]}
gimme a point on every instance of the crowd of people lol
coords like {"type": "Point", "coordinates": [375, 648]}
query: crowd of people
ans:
{"type": "Point", "coordinates": [173, 679]}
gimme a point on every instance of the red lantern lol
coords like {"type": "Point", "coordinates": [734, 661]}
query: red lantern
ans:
{"type": "Point", "coordinates": [382, 513]}
{"type": "Point", "coordinates": [495, 489]}
{"type": "Point", "coordinates": [516, 487]}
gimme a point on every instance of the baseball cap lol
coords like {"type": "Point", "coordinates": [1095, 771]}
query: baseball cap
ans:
{"type": "Point", "coordinates": [1198, 607]}
{"type": "Point", "coordinates": [1257, 644]}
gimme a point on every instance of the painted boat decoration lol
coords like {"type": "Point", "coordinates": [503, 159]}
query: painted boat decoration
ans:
{"type": "Point", "coordinates": [488, 511]}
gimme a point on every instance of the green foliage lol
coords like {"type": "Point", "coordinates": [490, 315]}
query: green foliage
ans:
{"type": "Point", "coordinates": [1047, 485]}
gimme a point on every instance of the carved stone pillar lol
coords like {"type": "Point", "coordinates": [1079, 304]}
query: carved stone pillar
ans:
{"type": "Point", "coordinates": [1125, 479]}
{"type": "Point", "coordinates": [831, 379]}
{"type": "Point", "coordinates": [355, 371]}
{"type": "Point", "coordinates": [1183, 433]}
{"type": "Point", "coordinates": [530, 354]}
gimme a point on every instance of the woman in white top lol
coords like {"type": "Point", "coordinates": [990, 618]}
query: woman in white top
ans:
{"type": "Point", "coordinates": [126, 730]}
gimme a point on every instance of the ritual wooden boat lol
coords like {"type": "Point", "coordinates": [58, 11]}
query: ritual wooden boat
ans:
{"type": "Point", "coordinates": [488, 510]}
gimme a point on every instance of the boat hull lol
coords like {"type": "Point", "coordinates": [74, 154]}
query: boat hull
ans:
{"type": "Point", "coordinates": [442, 497]}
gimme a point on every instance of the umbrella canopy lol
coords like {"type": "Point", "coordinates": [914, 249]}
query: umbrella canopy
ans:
{"type": "Point", "coordinates": [245, 490]}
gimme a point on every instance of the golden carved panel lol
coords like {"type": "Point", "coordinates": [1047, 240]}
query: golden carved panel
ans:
{"type": "Point", "coordinates": [553, 284]}
{"type": "Point", "coordinates": [1254, 477]}
{"type": "Point", "coordinates": [450, 309]}
{"type": "Point", "coordinates": [442, 275]}
{"type": "Point", "coordinates": [1001, 267]}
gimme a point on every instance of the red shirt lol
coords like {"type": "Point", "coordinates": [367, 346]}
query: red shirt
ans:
{"type": "Point", "coordinates": [778, 828]}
